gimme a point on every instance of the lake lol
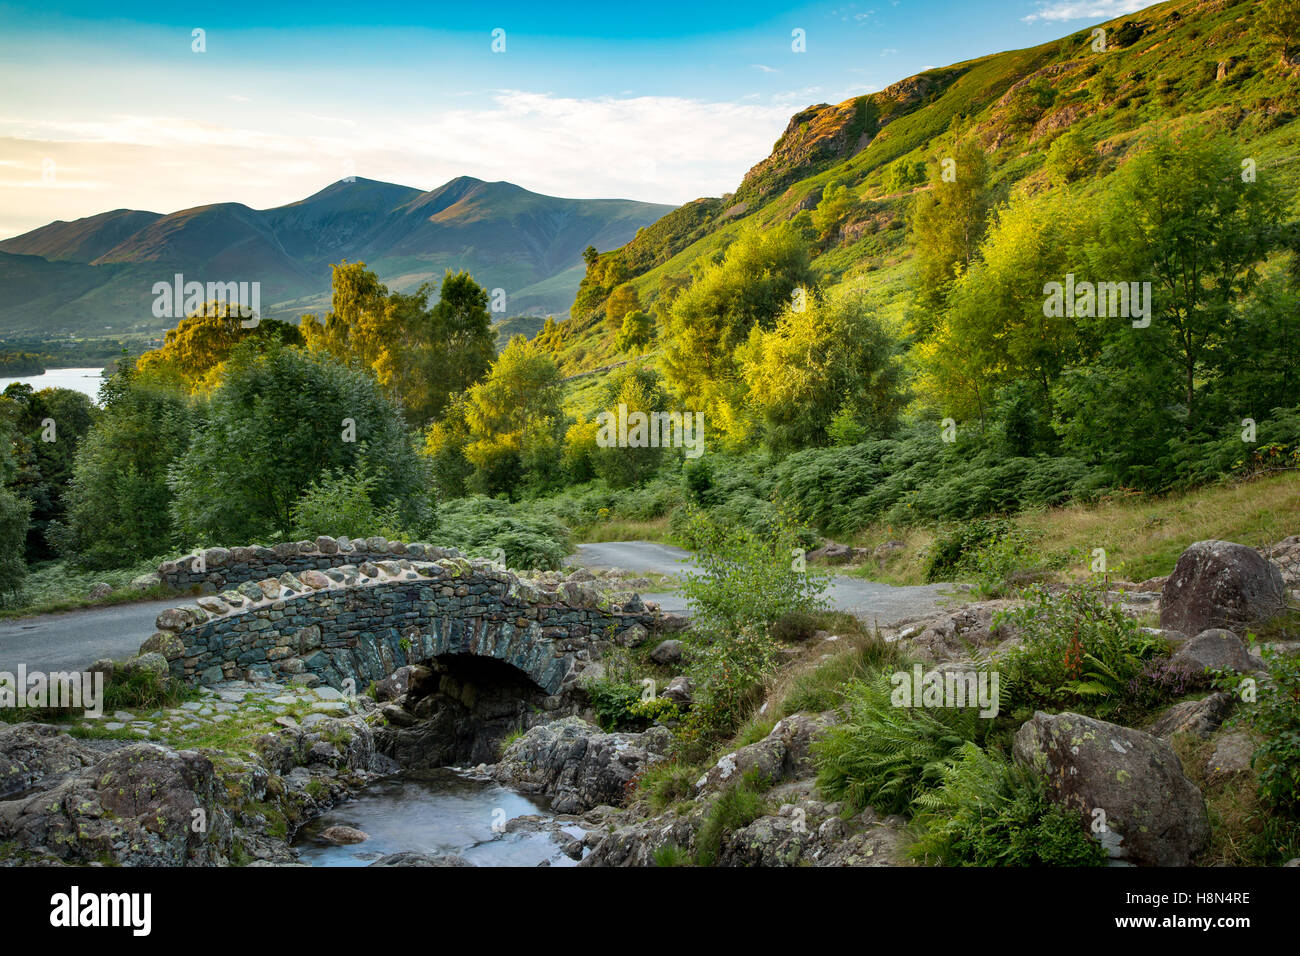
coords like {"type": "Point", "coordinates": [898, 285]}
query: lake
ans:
{"type": "Point", "coordinates": [84, 380]}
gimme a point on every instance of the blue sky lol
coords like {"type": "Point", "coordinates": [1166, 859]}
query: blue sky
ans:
{"type": "Point", "coordinates": [105, 105]}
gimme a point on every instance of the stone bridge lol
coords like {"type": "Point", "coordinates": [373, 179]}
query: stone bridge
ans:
{"type": "Point", "coordinates": [361, 621]}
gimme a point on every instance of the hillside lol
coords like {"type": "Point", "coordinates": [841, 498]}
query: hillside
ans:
{"type": "Point", "coordinates": [1172, 64]}
{"type": "Point", "coordinates": [95, 275]}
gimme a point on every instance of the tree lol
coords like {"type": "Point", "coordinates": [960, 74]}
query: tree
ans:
{"type": "Point", "coordinates": [515, 422]}
{"type": "Point", "coordinates": [994, 328]}
{"type": "Point", "coordinates": [1070, 158]}
{"type": "Point", "coordinates": [281, 418]}
{"type": "Point", "coordinates": [118, 498]}
{"type": "Point", "coordinates": [420, 355]}
{"type": "Point", "coordinates": [201, 343]}
{"type": "Point", "coordinates": [45, 428]}
{"type": "Point", "coordinates": [621, 301]}
{"type": "Point", "coordinates": [836, 203]}
{"type": "Point", "coordinates": [13, 536]}
{"type": "Point", "coordinates": [833, 357]}
{"type": "Point", "coordinates": [949, 219]}
{"type": "Point", "coordinates": [637, 331]}
{"type": "Point", "coordinates": [1181, 217]}
{"type": "Point", "coordinates": [639, 389]}
{"type": "Point", "coordinates": [750, 286]}
{"type": "Point", "coordinates": [1279, 21]}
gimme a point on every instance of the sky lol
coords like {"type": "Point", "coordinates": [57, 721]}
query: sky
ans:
{"type": "Point", "coordinates": [106, 106]}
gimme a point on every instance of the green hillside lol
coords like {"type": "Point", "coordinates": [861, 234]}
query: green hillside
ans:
{"type": "Point", "coordinates": [1166, 67]}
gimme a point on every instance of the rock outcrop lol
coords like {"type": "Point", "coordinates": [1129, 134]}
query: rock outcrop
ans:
{"type": "Point", "coordinates": [1218, 584]}
{"type": "Point", "coordinates": [1130, 783]}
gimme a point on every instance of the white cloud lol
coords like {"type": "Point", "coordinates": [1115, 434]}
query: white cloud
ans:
{"type": "Point", "coordinates": [655, 148]}
{"type": "Point", "coordinates": [1085, 9]}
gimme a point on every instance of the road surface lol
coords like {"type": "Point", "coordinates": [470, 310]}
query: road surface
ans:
{"type": "Point", "coordinates": [74, 639]}
{"type": "Point", "coordinates": [882, 604]}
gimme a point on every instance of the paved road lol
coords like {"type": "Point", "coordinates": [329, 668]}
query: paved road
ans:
{"type": "Point", "coordinates": [74, 639]}
{"type": "Point", "coordinates": [883, 604]}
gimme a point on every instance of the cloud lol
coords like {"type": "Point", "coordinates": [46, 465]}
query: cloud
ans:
{"type": "Point", "coordinates": [654, 148]}
{"type": "Point", "coordinates": [1084, 9]}
{"type": "Point", "coordinates": [765, 69]}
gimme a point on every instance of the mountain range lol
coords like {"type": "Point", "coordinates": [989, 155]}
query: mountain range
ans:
{"type": "Point", "coordinates": [95, 276]}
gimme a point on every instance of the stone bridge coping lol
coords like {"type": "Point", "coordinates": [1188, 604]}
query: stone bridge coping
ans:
{"type": "Point", "coordinates": [324, 545]}
{"type": "Point", "coordinates": [252, 596]}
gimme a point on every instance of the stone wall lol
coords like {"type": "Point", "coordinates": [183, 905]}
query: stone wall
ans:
{"type": "Point", "coordinates": [363, 621]}
{"type": "Point", "coordinates": [212, 569]}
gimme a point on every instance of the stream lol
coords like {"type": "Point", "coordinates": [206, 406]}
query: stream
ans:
{"type": "Point", "coordinates": [435, 812]}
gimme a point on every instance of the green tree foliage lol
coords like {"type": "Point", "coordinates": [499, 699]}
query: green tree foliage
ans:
{"type": "Point", "coordinates": [45, 427]}
{"type": "Point", "coordinates": [749, 287]}
{"type": "Point", "coordinates": [1279, 21]}
{"type": "Point", "coordinates": [621, 301]}
{"type": "Point", "coordinates": [14, 512]}
{"type": "Point", "coordinates": [1070, 158]}
{"type": "Point", "coordinates": [994, 329]}
{"type": "Point", "coordinates": [515, 422]}
{"type": "Point", "coordinates": [637, 331]}
{"type": "Point", "coordinates": [200, 344]}
{"type": "Point", "coordinates": [421, 355]}
{"type": "Point", "coordinates": [118, 500]}
{"type": "Point", "coordinates": [837, 201]}
{"type": "Point", "coordinates": [832, 357]}
{"type": "Point", "coordinates": [949, 219]}
{"type": "Point", "coordinates": [281, 419]}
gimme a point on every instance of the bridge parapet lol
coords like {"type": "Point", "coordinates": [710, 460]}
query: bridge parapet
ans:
{"type": "Point", "coordinates": [363, 621]}
{"type": "Point", "coordinates": [212, 569]}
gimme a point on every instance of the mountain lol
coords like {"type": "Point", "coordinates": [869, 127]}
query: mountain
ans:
{"type": "Point", "coordinates": [95, 275]}
{"type": "Point", "coordinates": [1187, 62]}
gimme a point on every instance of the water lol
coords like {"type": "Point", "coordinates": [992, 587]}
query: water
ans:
{"type": "Point", "coordinates": [84, 380]}
{"type": "Point", "coordinates": [441, 811]}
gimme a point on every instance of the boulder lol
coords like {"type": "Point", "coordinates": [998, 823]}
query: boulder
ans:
{"type": "Point", "coordinates": [1200, 717]}
{"type": "Point", "coordinates": [1218, 584]}
{"type": "Point", "coordinates": [1217, 650]}
{"type": "Point", "coordinates": [135, 807]}
{"type": "Point", "coordinates": [100, 591]}
{"type": "Point", "coordinates": [680, 690]}
{"type": "Point", "coordinates": [1233, 755]}
{"type": "Point", "coordinates": [832, 554]}
{"type": "Point", "coordinates": [343, 835]}
{"type": "Point", "coordinates": [421, 859]}
{"type": "Point", "coordinates": [667, 652]}
{"type": "Point", "coordinates": [38, 754]}
{"type": "Point", "coordinates": [579, 765]}
{"type": "Point", "coordinates": [782, 754]}
{"type": "Point", "coordinates": [1153, 815]}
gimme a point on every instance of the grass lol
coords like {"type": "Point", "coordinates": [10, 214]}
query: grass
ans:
{"type": "Point", "coordinates": [623, 529]}
{"type": "Point", "coordinates": [55, 586]}
{"type": "Point", "coordinates": [1236, 815]}
{"type": "Point", "coordinates": [735, 808]}
{"type": "Point", "coordinates": [1142, 535]}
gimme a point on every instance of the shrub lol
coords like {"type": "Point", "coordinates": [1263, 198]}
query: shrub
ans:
{"type": "Point", "coordinates": [1277, 718]}
{"type": "Point", "coordinates": [749, 579]}
{"type": "Point", "coordinates": [882, 755]}
{"type": "Point", "coordinates": [988, 812]}
{"type": "Point", "coordinates": [952, 546]}
{"type": "Point", "coordinates": [794, 627]}
{"type": "Point", "coordinates": [1077, 653]}
{"type": "Point", "coordinates": [481, 526]}
{"type": "Point", "coordinates": [14, 513]}
{"type": "Point", "coordinates": [729, 670]}
{"type": "Point", "coordinates": [736, 807]}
